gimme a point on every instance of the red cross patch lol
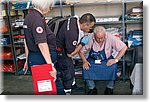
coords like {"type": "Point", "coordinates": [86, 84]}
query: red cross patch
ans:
{"type": "Point", "coordinates": [74, 43]}
{"type": "Point", "coordinates": [39, 30]}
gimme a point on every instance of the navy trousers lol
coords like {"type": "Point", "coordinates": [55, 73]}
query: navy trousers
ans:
{"type": "Point", "coordinates": [67, 69]}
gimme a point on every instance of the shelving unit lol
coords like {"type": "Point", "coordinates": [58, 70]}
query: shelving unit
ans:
{"type": "Point", "coordinates": [104, 9]}
{"type": "Point", "coordinates": [14, 49]}
{"type": "Point", "coordinates": [98, 9]}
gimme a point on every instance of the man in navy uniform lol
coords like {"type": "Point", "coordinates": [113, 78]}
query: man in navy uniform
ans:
{"type": "Point", "coordinates": [69, 43]}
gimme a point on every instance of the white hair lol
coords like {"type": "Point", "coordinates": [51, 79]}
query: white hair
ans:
{"type": "Point", "coordinates": [42, 4]}
{"type": "Point", "coordinates": [99, 29]}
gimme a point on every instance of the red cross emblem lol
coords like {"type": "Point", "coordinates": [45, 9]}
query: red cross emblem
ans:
{"type": "Point", "coordinates": [74, 43]}
{"type": "Point", "coordinates": [39, 30]}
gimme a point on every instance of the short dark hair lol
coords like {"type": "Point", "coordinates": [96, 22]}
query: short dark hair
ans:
{"type": "Point", "coordinates": [87, 18]}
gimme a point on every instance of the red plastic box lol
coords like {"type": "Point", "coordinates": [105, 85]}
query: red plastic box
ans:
{"type": "Point", "coordinates": [44, 84]}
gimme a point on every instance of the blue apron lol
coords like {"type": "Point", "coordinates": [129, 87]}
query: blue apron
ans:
{"type": "Point", "coordinates": [100, 71]}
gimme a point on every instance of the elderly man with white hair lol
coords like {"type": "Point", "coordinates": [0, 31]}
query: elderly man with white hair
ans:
{"type": "Point", "coordinates": [40, 42]}
{"type": "Point", "coordinates": [100, 65]}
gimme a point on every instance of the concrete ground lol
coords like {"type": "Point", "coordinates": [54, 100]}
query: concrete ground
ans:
{"type": "Point", "coordinates": [22, 85]}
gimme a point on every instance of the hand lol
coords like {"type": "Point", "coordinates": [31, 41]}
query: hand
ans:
{"type": "Point", "coordinates": [85, 39]}
{"type": "Point", "coordinates": [53, 73]}
{"type": "Point", "coordinates": [86, 65]}
{"type": "Point", "coordinates": [111, 62]}
{"type": "Point", "coordinates": [25, 68]}
{"type": "Point", "coordinates": [69, 55]}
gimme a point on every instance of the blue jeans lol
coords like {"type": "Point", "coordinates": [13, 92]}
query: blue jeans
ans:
{"type": "Point", "coordinates": [91, 84]}
{"type": "Point", "coordinates": [36, 58]}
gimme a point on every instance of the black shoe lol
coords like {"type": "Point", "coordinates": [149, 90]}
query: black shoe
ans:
{"type": "Point", "coordinates": [68, 93]}
{"type": "Point", "coordinates": [108, 91]}
{"type": "Point", "coordinates": [92, 91]}
{"type": "Point", "coordinates": [75, 87]}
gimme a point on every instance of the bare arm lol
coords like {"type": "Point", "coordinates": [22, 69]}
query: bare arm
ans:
{"type": "Point", "coordinates": [25, 68]}
{"type": "Point", "coordinates": [45, 52]}
{"type": "Point", "coordinates": [82, 57]}
{"type": "Point", "coordinates": [86, 64]}
{"type": "Point", "coordinates": [83, 42]}
{"type": "Point", "coordinates": [77, 49]}
{"type": "Point", "coordinates": [121, 53]}
{"type": "Point", "coordinates": [26, 50]}
{"type": "Point", "coordinates": [118, 57]}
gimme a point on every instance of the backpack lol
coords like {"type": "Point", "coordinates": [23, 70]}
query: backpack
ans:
{"type": "Point", "coordinates": [55, 23]}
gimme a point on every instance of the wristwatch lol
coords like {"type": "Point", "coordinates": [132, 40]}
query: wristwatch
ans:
{"type": "Point", "coordinates": [116, 60]}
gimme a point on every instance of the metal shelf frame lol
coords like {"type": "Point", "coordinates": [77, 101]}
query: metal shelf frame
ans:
{"type": "Point", "coordinates": [10, 33]}
{"type": "Point", "coordinates": [11, 36]}
{"type": "Point", "coordinates": [123, 22]}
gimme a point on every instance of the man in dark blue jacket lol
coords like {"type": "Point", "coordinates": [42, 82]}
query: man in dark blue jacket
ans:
{"type": "Point", "coordinates": [69, 43]}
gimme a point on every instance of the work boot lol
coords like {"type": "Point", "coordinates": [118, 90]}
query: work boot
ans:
{"type": "Point", "coordinates": [92, 91]}
{"type": "Point", "coordinates": [67, 91]}
{"type": "Point", "coordinates": [108, 91]}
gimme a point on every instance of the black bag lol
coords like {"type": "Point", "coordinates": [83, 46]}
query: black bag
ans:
{"type": "Point", "coordinates": [55, 23]}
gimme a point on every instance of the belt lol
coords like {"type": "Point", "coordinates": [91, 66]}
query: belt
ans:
{"type": "Point", "coordinates": [59, 49]}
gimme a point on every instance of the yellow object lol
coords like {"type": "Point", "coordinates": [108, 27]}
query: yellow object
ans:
{"type": "Point", "coordinates": [3, 12]}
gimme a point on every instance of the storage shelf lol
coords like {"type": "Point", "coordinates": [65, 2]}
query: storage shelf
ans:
{"type": "Point", "coordinates": [18, 44]}
{"type": "Point", "coordinates": [21, 56]}
{"type": "Point", "coordinates": [89, 4]}
{"type": "Point", "coordinates": [123, 23]}
{"type": "Point", "coordinates": [4, 33]}
{"type": "Point", "coordinates": [11, 17]}
{"type": "Point", "coordinates": [132, 22]}
{"type": "Point", "coordinates": [132, 1]}
{"type": "Point", "coordinates": [98, 3]}
{"type": "Point", "coordinates": [85, 4]}
{"type": "Point", "coordinates": [8, 59]}
{"type": "Point", "coordinates": [12, 72]}
{"type": "Point", "coordinates": [11, 59]}
{"type": "Point", "coordinates": [21, 27]}
{"type": "Point", "coordinates": [21, 42]}
{"type": "Point", "coordinates": [15, 34]}
{"type": "Point", "coordinates": [9, 45]}
{"type": "Point", "coordinates": [5, 17]}
{"type": "Point", "coordinates": [118, 22]}
{"type": "Point", "coordinates": [22, 9]}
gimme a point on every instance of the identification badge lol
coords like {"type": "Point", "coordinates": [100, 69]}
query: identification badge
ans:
{"type": "Point", "coordinates": [97, 61]}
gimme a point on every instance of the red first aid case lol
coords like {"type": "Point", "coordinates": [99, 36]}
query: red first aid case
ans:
{"type": "Point", "coordinates": [44, 84]}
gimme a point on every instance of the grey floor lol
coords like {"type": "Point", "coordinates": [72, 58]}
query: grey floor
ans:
{"type": "Point", "coordinates": [22, 85]}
